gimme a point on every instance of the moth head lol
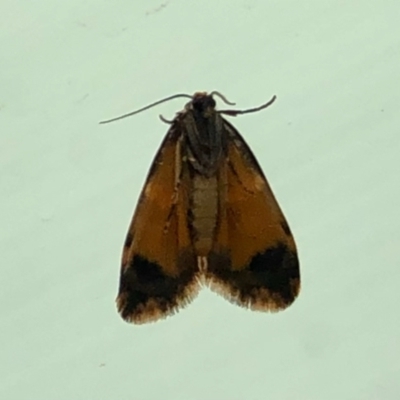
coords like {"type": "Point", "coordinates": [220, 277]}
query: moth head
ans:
{"type": "Point", "coordinates": [202, 102]}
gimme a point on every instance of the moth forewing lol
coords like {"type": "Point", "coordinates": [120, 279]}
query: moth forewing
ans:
{"type": "Point", "coordinates": [258, 267]}
{"type": "Point", "coordinates": [158, 272]}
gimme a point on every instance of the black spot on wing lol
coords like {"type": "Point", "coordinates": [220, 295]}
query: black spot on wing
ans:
{"type": "Point", "coordinates": [274, 271]}
{"type": "Point", "coordinates": [148, 293]}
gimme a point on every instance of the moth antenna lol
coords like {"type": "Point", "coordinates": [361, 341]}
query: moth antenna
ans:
{"type": "Point", "coordinates": [222, 97]}
{"type": "Point", "coordinates": [233, 113]}
{"type": "Point", "coordinates": [175, 96]}
{"type": "Point", "coordinates": [167, 121]}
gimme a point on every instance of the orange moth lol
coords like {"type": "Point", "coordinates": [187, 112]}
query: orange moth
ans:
{"type": "Point", "coordinates": [206, 216]}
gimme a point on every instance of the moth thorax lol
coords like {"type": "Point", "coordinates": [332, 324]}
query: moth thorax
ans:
{"type": "Point", "coordinates": [204, 212]}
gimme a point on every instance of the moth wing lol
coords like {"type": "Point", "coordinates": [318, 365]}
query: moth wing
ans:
{"type": "Point", "coordinates": [254, 260]}
{"type": "Point", "coordinates": [158, 271]}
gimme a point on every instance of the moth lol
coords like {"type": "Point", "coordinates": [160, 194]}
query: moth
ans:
{"type": "Point", "coordinates": [206, 216]}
